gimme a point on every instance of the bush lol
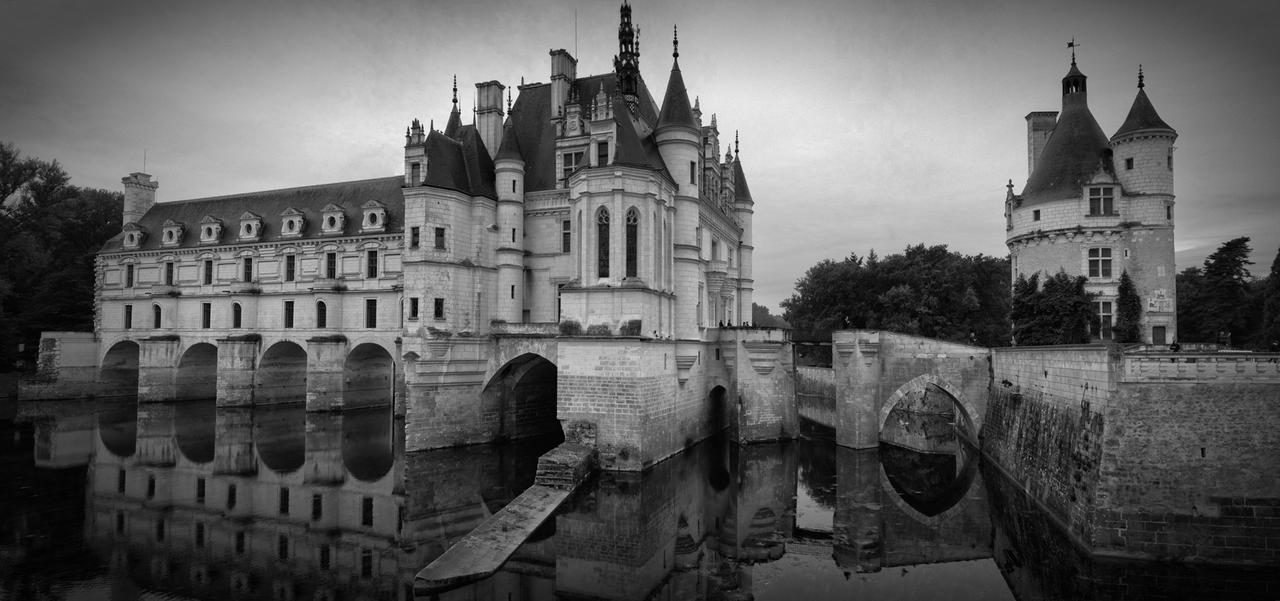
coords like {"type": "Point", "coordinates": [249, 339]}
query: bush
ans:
{"type": "Point", "coordinates": [599, 330]}
{"type": "Point", "coordinates": [631, 328]}
{"type": "Point", "coordinates": [570, 327]}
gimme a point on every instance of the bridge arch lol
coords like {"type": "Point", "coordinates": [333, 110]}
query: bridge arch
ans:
{"type": "Point", "coordinates": [118, 427]}
{"type": "Point", "coordinates": [194, 429]}
{"type": "Point", "coordinates": [368, 450]}
{"type": "Point", "coordinates": [118, 374]}
{"type": "Point", "coordinates": [521, 397]}
{"type": "Point", "coordinates": [197, 375]}
{"type": "Point", "coordinates": [281, 376]}
{"type": "Point", "coordinates": [279, 434]}
{"type": "Point", "coordinates": [965, 414]}
{"type": "Point", "coordinates": [929, 503]}
{"type": "Point", "coordinates": [369, 376]}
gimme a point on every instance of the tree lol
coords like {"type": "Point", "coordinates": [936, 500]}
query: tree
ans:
{"type": "Point", "coordinates": [762, 318]}
{"type": "Point", "coordinates": [1128, 312]}
{"type": "Point", "coordinates": [1270, 331]}
{"type": "Point", "coordinates": [1057, 312]}
{"type": "Point", "coordinates": [1218, 298]}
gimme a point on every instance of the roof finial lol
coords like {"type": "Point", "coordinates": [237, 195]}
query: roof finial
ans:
{"type": "Point", "coordinates": [736, 151]}
{"type": "Point", "coordinates": [675, 41]}
{"type": "Point", "coordinates": [1073, 45]}
{"type": "Point", "coordinates": [455, 91]}
{"type": "Point", "coordinates": [508, 100]}
{"type": "Point", "coordinates": [1140, 84]}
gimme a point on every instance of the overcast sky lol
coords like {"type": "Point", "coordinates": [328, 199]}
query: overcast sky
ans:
{"type": "Point", "coordinates": [871, 124]}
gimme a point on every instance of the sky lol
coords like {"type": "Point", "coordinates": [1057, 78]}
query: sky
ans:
{"type": "Point", "coordinates": [870, 124]}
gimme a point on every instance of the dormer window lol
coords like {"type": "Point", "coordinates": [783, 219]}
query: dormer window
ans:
{"type": "Point", "coordinates": [210, 230]}
{"type": "Point", "coordinates": [171, 234]}
{"type": "Point", "coordinates": [250, 226]}
{"type": "Point", "coordinates": [1101, 200]}
{"type": "Point", "coordinates": [134, 234]}
{"type": "Point", "coordinates": [333, 220]}
{"type": "Point", "coordinates": [292, 222]}
{"type": "Point", "coordinates": [374, 216]}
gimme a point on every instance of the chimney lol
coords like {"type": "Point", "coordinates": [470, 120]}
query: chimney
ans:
{"type": "Point", "coordinates": [1039, 126]}
{"type": "Point", "coordinates": [564, 69]}
{"type": "Point", "coordinates": [139, 195]}
{"type": "Point", "coordinates": [489, 115]}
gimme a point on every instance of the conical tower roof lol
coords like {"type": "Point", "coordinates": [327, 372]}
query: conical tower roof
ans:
{"type": "Point", "coordinates": [1071, 155]}
{"type": "Point", "coordinates": [509, 149]}
{"type": "Point", "coordinates": [1142, 115]}
{"type": "Point", "coordinates": [675, 105]}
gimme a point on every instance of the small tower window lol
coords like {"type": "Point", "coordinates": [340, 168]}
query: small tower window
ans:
{"type": "Point", "coordinates": [633, 241]}
{"type": "Point", "coordinates": [128, 276]}
{"type": "Point", "coordinates": [1035, 215]}
{"type": "Point", "coordinates": [370, 313]}
{"type": "Point", "coordinates": [602, 153]}
{"type": "Point", "coordinates": [415, 174]}
{"type": "Point", "coordinates": [322, 315]}
{"type": "Point", "coordinates": [438, 308]}
{"type": "Point", "coordinates": [155, 316]}
{"type": "Point", "coordinates": [206, 315]}
{"type": "Point", "coordinates": [415, 236]}
{"type": "Point", "coordinates": [208, 271]}
{"type": "Point", "coordinates": [413, 308]}
{"type": "Point", "coordinates": [439, 238]}
{"type": "Point", "coordinates": [1128, 163]}
{"type": "Point", "coordinates": [288, 314]}
{"type": "Point", "coordinates": [290, 267]}
{"type": "Point", "coordinates": [237, 315]}
{"type": "Point", "coordinates": [693, 172]}
{"type": "Point", "coordinates": [566, 236]}
{"type": "Point", "coordinates": [128, 316]}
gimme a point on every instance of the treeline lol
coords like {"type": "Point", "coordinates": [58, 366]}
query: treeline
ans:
{"type": "Point", "coordinates": [1222, 302]}
{"type": "Point", "coordinates": [50, 232]}
{"type": "Point", "coordinates": [925, 290]}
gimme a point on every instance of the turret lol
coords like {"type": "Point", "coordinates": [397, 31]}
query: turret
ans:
{"type": "Point", "coordinates": [415, 154]}
{"type": "Point", "coordinates": [139, 196]}
{"type": "Point", "coordinates": [677, 132]}
{"type": "Point", "coordinates": [743, 209]}
{"type": "Point", "coordinates": [509, 178]}
{"type": "Point", "coordinates": [1143, 148]}
{"type": "Point", "coordinates": [626, 64]}
{"type": "Point", "coordinates": [489, 115]}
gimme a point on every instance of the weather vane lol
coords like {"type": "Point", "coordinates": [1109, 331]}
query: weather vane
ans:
{"type": "Point", "coordinates": [1073, 45]}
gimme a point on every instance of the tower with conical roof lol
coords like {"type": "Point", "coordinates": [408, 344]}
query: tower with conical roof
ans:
{"type": "Point", "coordinates": [1099, 207]}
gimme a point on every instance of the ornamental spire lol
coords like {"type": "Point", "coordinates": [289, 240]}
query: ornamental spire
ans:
{"type": "Point", "coordinates": [675, 41]}
{"type": "Point", "coordinates": [455, 91]}
{"type": "Point", "coordinates": [1140, 83]}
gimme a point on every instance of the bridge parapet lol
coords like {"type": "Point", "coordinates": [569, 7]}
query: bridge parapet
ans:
{"type": "Point", "coordinates": [502, 328]}
{"type": "Point", "coordinates": [1201, 367]}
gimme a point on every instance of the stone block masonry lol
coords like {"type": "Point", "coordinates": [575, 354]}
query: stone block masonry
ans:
{"type": "Point", "coordinates": [1146, 455]}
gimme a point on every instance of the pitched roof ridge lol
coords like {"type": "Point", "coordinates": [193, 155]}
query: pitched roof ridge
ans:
{"type": "Point", "coordinates": [279, 190]}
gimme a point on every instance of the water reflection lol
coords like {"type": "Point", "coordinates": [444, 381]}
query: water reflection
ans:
{"type": "Point", "coordinates": [186, 499]}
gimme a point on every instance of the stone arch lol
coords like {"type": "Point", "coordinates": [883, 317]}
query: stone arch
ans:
{"type": "Point", "coordinates": [368, 449]}
{"type": "Point", "coordinates": [521, 397]}
{"type": "Point", "coordinates": [369, 376]}
{"type": "Point", "coordinates": [194, 429]}
{"type": "Point", "coordinates": [118, 375]}
{"type": "Point", "coordinates": [197, 375]}
{"type": "Point", "coordinates": [281, 376]}
{"type": "Point", "coordinates": [279, 435]}
{"type": "Point", "coordinates": [966, 409]}
{"type": "Point", "coordinates": [118, 427]}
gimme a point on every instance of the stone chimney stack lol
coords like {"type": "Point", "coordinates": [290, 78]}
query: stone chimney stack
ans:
{"type": "Point", "coordinates": [1039, 125]}
{"type": "Point", "coordinates": [139, 195]}
{"type": "Point", "coordinates": [564, 69]}
{"type": "Point", "coordinates": [489, 115]}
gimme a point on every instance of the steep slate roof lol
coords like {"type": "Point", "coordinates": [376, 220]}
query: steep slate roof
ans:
{"type": "Point", "coordinates": [534, 132]}
{"type": "Point", "coordinates": [1072, 153]}
{"type": "Point", "coordinates": [675, 106]}
{"type": "Point", "coordinates": [455, 122]}
{"type": "Point", "coordinates": [1141, 116]}
{"type": "Point", "coordinates": [309, 200]}
{"type": "Point", "coordinates": [740, 188]}
{"type": "Point", "coordinates": [460, 163]}
{"type": "Point", "coordinates": [510, 146]}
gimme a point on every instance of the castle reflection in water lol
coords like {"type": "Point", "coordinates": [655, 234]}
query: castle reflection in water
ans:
{"type": "Point", "coordinates": [116, 500]}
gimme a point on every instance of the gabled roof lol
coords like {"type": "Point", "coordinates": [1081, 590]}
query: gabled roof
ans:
{"type": "Point", "coordinates": [1142, 116]}
{"type": "Point", "coordinates": [675, 105]}
{"type": "Point", "coordinates": [309, 200]}
{"type": "Point", "coordinates": [1069, 158]}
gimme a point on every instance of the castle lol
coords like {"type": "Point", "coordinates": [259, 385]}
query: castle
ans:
{"type": "Point", "coordinates": [575, 261]}
{"type": "Point", "coordinates": [1099, 207]}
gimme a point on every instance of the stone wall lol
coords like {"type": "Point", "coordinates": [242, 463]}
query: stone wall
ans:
{"type": "Point", "coordinates": [816, 394]}
{"type": "Point", "coordinates": [66, 367]}
{"type": "Point", "coordinates": [765, 380]}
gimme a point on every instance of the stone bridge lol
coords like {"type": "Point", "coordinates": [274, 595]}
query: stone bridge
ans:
{"type": "Point", "coordinates": [877, 373]}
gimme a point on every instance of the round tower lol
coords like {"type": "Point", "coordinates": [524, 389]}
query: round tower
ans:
{"type": "Point", "coordinates": [1143, 148]}
{"type": "Point", "coordinates": [743, 208]}
{"type": "Point", "coordinates": [509, 177]}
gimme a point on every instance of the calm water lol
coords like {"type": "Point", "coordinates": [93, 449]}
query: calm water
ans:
{"type": "Point", "coordinates": [109, 500]}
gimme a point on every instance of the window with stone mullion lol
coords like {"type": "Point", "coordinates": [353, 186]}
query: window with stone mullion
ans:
{"type": "Point", "coordinates": [602, 242]}
{"type": "Point", "coordinates": [633, 240]}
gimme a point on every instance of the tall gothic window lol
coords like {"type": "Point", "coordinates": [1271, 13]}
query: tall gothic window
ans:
{"type": "Point", "coordinates": [602, 242]}
{"type": "Point", "coordinates": [633, 240]}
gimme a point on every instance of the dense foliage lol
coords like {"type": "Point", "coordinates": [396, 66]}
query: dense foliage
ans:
{"type": "Point", "coordinates": [50, 232]}
{"type": "Point", "coordinates": [1057, 312]}
{"type": "Point", "coordinates": [762, 318]}
{"type": "Point", "coordinates": [926, 291]}
{"type": "Point", "coordinates": [1128, 328]}
{"type": "Point", "coordinates": [1222, 302]}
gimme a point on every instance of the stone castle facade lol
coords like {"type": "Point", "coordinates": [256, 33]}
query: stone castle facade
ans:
{"type": "Point", "coordinates": [579, 257]}
{"type": "Point", "coordinates": [1098, 207]}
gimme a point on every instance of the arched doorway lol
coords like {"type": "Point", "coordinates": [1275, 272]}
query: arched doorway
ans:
{"type": "Point", "coordinates": [522, 398]}
{"type": "Point", "coordinates": [282, 375]}
{"type": "Point", "coordinates": [197, 373]}
{"type": "Point", "coordinates": [368, 374]}
{"type": "Point", "coordinates": [119, 373]}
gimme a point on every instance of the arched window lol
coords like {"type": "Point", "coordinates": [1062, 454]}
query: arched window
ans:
{"type": "Point", "coordinates": [633, 241]}
{"type": "Point", "coordinates": [322, 315]}
{"type": "Point", "coordinates": [155, 316]}
{"type": "Point", "coordinates": [602, 242]}
{"type": "Point", "coordinates": [237, 316]}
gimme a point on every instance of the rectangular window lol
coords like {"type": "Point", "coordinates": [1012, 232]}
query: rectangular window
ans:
{"type": "Point", "coordinates": [128, 276]}
{"type": "Point", "coordinates": [331, 265]}
{"type": "Point", "coordinates": [282, 547]}
{"type": "Point", "coordinates": [199, 534]}
{"type": "Point", "coordinates": [413, 308]}
{"type": "Point", "coordinates": [1101, 201]}
{"type": "Point", "coordinates": [693, 172]}
{"type": "Point", "coordinates": [1035, 215]}
{"type": "Point", "coordinates": [415, 236]}
{"type": "Point", "coordinates": [1170, 162]}
{"type": "Point", "coordinates": [439, 309]}
{"type": "Point", "coordinates": [288, 314]}
{"type": "Point", "coordinates": [439, 238]}
{"type": "Point", "coordinates": [231, 496]}
{"type": "Point", "coordinates": [324, 558]}
{"type": "Point", "coordinates": [366, 563]}
{"type": "Point", "coordinates": [1128, 163]}
{"type": "Point", "coordinates": [370, 313]}
{"type": "Point", "coordinates": [160, 530]}
{"type": "Point", "coordinates": [571, 162]}
{"type": "Point", "coordinates": [206, 315]}
{"type": "Point", "coordinates": [322, 315]}
{"type": "Point", "coordinates": [566, 236]}
{"type": "Point", "coordinates": [290, 268]}
{"type": "Point", "coordinates": [1101, 326]}
{"type": "Point", "coordinates": [240, 543]}
{"type": "Point", "coordinates": [602, 153]}
{"type": "Point", "coordinates": [155, 316]}
{"type": "Point", "coordinates": [415, 174]}
{"type": "Point", "coordinates": [151, 487]}
{"type": "Point", "coordinates": [128, 316]}
{"type": "Point", "coordinates": [372, 270]}
{"type": "Point", "coordinates": [1099, 262]}
{"type": "Point", "coordinates": [513, 291]}
{"type": "Point", "coordinates": [366, 512]}
{"type": "Point", "coordinates": [168, 273]}
{"type": "Point", "coordinates": [317, 507]}
{"type": "Point", "coordinates": [284, 501]}
{"type": "Point", "coordinates": [119, 522]}
{"type": "Point", "coordinates": [513, 234]}
{"type": "Point", "coordinates": [248, 269]}
{"type": "Point", "coordinates": [1168, 212]}
{"type": "Point", "coordinates": [120, 481]}
{"type": "Point", "coordinates": [200, 491]}
{"type": "Point", "coordinates": [208, 271]}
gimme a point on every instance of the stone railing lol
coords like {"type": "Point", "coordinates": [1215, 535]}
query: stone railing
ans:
{"type": "Point", "coordinates": [502, 328]}
{"type": "Point", "coordinates": [1240, 367]}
